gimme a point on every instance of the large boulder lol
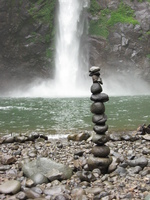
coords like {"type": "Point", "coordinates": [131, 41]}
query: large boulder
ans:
{"type": "Point", "coordinates": [40, 168]}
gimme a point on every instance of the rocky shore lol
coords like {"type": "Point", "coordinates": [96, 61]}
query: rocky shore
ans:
{"type": "Point", "coordinates": [128, 175]}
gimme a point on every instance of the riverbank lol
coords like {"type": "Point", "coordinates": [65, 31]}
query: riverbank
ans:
{"type": "Point", "coordinates": [129, 177]}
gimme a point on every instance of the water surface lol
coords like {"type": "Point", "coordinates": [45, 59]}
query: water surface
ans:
{"type": "Point", "coordinates": [51, 116]}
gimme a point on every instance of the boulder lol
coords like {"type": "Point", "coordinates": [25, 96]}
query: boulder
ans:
{"type": "Point", "coordinates": [45, 167]}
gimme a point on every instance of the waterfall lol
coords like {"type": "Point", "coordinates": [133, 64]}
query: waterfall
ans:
{"type": "Point", "coordinates": [71, 59]}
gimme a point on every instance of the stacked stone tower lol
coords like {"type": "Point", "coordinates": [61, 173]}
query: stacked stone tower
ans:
{"type": "Point", "coordinates": [100, 158]}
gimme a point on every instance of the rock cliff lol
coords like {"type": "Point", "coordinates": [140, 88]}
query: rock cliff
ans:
{"type": "Point", "coordinates": [126, 46]}
{"type": "Point", "coordinates": [27, 36]}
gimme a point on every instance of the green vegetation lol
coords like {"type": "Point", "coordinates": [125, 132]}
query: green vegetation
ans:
{"type": "Point", "coordinates": [108, 18]}
{"type": "Point", "coordinates": [94, 7]}
{"type": "Point", "coordinates": [124, 14]}
{"type": "Point", "coordinates": [43, 11]}
{"type": "Point", "coordinates": [99, 27]}
{"type": "Point", "coordinates": [148, 56]}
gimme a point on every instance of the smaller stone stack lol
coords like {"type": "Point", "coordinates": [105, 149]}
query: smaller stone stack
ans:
{"type": "Point", "coordinates": [100, 158]}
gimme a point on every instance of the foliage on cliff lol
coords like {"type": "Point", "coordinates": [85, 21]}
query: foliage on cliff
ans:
{"type": "Point", "coordinates": [107, 18]}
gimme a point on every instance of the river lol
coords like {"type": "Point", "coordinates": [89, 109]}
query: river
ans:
{"type": "Point", "coordinates": [65, 115]}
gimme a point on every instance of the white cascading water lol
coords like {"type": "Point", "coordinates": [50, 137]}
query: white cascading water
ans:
{"type": "Point", "coordinates": [71, 59]}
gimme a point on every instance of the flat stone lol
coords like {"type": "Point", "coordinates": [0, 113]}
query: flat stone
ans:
{"type": "Point", "coordinates": [100, 129]}
{"type": "Point", "coordinates": [100, 163]}
{"type": "Point", "coordinates": [99, 119]}
{"type": "Point", "coordinates": [97, 108]}
{"type": "Point", "coordinates": [100, 151]}
{"type": "Point", "coordinates": [100, 139]}
{"type": "Point", "coordinates": [10, 187]}
{"type": "Point", "coordinates": [94, 69]}
{"type": "Point", "coordinates": [101, 97]}
{"type": "Point", "coordinates": [96, 88]}
{"type": "Point", "coordinates": [44, 166]}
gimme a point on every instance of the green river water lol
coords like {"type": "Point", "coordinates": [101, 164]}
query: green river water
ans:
{"type": "Point", "coordinates": [65, 115]}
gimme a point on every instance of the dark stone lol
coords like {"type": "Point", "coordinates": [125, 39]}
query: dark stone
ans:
{"type": "Point", "coordinates": [99, 119]}
{"type": "Point", "coordinates": [85, 176]}
{"type": "Point", "coordinates": [99, 129]}
{"type": "Point", "coordinates": [102, 97]}
{"type": "Point", "coordinates": [96, 88]}
{"type": "Point", "coordinates": [100, 151]}
{"type": "Point", "coordinates": [100, 163]}
{"type": "Point", "coordinates": [100, 139]}
{"type": "Point", "coordinates": [97, 108]}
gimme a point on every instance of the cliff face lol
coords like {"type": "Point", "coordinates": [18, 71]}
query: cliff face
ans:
{"type": "Point", "coordinates": [25, 42]}
{"type": "Point", "coordinates": [126, 48]}
{"type": "Point", "coordinates": [27, 36]}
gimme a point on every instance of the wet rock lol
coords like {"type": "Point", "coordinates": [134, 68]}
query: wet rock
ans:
{"type": "Point", "coordinates": [100, 151]}
{"type": "Point", "coordinates": [100, 139]}
{"type": "Point", "coordinates": [100, 163]}
{"type": "Point", "coordinates": [99, 119]}
{"type": "Point", "coordinates": [10, 187]}
{"type": "Point", "coordinates": [100, 129]}
{"type": "Point", "coordinates": [96, 88]}
{"type": "Point", "coordinates": [100, 97]}
{"type": "Point", "coordinates": [97, 108]}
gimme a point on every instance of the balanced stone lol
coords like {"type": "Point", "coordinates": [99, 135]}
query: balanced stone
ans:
{"type": "Point", "coordinates": [99, 129]}
{"type": "Point", "coordinates": [94, 71]}
{"type": "Point", "coordinates": [100, 151]}
{"type": "Point", "coordinates": [96, 78]}
{"type": "Point", "coordinates": [97, 108]}
{"type": "Point", "coordinates": [96, 88]}
{"type": "Point", "coordinates": [99, 119]}
{"type": "Point", "coordinates": [100, 139]}
{"type": "Point", "coordinates": [100, 163]}
{"type": "Point", "coordinates": [102, 97]}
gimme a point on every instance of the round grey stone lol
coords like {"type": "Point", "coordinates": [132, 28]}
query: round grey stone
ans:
{"type": "Point", "coordinates": [100, 151]}
{"type": "Point", "coordinates": [99, 129]}
{"type": "Point", "coordinates": [96, 88]}
{"type": "Point", "coordinates": [99, 119]}
{"type": "Point", "coordinates": [100, 139]}
{"type": "Point", "coordinates": [101, 97]}
{"type": "Point", "coordinates": [97, 108]}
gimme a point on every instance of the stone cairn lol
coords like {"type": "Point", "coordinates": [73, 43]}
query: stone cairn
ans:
{"type": "Point", "coordinates": [100, 158]}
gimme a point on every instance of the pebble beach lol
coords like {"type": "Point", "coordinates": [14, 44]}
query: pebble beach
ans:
{"type": "Point", "coordinates": [128, 176]}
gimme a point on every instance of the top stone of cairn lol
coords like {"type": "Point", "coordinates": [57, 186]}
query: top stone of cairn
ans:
{"type": "Point", "coordinates": [94, 70]}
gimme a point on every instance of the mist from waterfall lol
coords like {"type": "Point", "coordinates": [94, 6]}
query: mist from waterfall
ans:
{"type": "Point", "coordinates": [72, 62]}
